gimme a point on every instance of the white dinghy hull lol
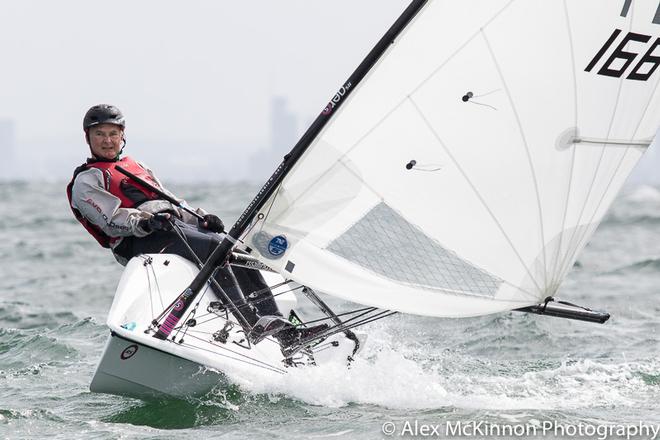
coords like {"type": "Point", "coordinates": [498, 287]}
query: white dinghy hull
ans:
{"type": "Point", "coordinates": [136, 364]}
{"type": "Point", "coordinates": [132, 369]}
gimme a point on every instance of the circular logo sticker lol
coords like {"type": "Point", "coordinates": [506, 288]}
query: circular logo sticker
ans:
{"type": "Point", "coordinates": [178, 305]}
{"type": "Point", "coordinates": [278, 245]}
{"type": "Point", "coordinates": [129, 352]}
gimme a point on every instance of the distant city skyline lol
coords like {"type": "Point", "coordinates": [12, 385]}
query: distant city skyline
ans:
{"type": "Point", "coordinates": [187, 161]}
{"type": "Point", "coordinates": [283, 137]}
{"type": "Point", "coordinates": [199, 161]}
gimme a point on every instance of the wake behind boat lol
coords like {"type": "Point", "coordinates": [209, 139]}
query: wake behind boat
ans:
{"type": "Point", "coordinates": [459, 172]}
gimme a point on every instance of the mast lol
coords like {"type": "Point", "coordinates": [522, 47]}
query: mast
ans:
{"type": "Point", "coordinates": [221, 253]}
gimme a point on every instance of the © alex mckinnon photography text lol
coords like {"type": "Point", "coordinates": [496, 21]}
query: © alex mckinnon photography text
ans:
{"type": "Point", "coordinates": [550, 428]}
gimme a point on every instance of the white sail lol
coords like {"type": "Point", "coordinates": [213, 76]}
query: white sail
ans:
{"type": "Point", "coordinates": [469, 168]}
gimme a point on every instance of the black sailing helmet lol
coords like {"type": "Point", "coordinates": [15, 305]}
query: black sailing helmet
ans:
{"type": "Point", "coordinates": [103, 114]}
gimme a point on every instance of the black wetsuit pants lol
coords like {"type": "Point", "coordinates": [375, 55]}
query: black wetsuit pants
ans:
{"type": "Point", "coordinates": [203, 243]}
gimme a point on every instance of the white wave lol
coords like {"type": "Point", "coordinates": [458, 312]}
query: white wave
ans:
{"type": "Point", "coordinates": [401, 378]}
{"type": "Point", "coordinates": [584, 384]}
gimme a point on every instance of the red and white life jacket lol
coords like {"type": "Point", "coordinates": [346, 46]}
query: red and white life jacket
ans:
{"type": "Point", "coordinates": [131, 193]}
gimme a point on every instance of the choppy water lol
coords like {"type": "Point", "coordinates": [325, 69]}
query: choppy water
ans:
{"type": "Point", "coordinates": [56, 286]}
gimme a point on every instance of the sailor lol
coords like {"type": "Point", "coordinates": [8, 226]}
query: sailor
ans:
{"type": "Point", "coordinates": [130, 220]}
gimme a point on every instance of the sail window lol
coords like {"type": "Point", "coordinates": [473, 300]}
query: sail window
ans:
{"type": "Point", "coordinates": [384, 242]}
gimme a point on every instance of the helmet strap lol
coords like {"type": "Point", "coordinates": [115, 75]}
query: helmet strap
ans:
{"type": "Point", "coordinates": [123, 139]}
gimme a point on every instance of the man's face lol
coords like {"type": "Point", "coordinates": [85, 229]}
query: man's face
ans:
{"type": "Point", "coordinates": [105, 140]}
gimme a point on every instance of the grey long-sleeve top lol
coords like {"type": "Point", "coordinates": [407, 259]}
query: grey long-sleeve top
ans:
{"type": "Point", "coordinates": [100, 207]}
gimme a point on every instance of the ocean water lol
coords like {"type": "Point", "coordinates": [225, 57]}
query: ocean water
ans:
{"type": "Point", "coordinates": [515, 370]}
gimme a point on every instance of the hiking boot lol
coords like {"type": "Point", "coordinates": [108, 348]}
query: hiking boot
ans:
{"type": "Point", "coordinates": [267, 326]}
{"type": "Point", "coordinates": [296, 335]}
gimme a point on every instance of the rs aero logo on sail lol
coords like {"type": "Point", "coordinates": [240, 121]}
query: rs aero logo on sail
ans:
{"type": "Point", "coordinates": [625, 53]}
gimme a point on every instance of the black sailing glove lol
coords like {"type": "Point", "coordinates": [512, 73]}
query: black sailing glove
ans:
{"type": "Point", "coordinates": [157, 222]}
{"type": "Point", "coordinates": [212, 223]}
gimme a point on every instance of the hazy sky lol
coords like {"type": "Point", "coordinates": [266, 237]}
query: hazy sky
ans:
{"type": "Point", "coordinates": [190, 75]}
{"type": "Point", "coordinates": [201, 70]}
